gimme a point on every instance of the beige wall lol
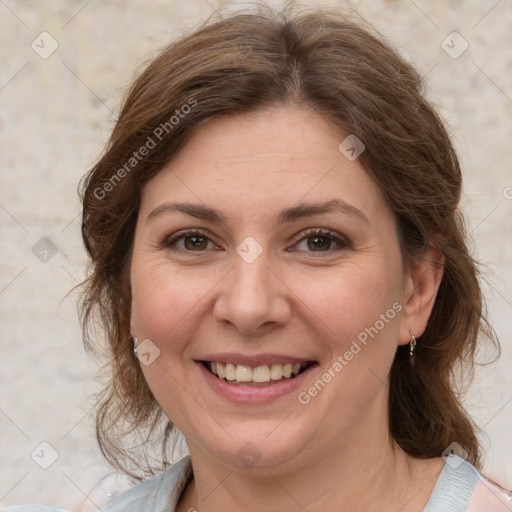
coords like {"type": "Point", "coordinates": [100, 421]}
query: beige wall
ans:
{"type": "Point", "coordinates": [55, 115]}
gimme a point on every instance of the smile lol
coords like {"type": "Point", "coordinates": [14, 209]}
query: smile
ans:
{"type": "Point", "coordinates": [255, 375]}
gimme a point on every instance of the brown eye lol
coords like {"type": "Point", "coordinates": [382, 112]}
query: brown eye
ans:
{"type": "Point", "coordinates": [195, 242]}
{"type": "Point", "coordinates": [189, 241]}
{"type": "Point", "coordinates": [319, 243]}
{"type": "Point", "coordinates": [319, 240]}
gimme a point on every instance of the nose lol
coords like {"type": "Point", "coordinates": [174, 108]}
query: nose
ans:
{"type": "Point", "coordinates": [252, 297]}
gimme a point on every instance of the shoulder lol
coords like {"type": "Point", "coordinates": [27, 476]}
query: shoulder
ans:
{"type": "Point", "coordinates": [490, 497]}
{"type": "Point", "coordinates": [160, 494]}
{"type": "Point", "coordinates": [32, 508]}
{"type": "Point", "coordinates": [461, 488]}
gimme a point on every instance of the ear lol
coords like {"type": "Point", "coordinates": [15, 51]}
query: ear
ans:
{"type": "Point", "coordinates": [421, 284]}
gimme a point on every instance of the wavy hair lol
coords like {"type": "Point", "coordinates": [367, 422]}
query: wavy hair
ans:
{"type": "Point", "coordinates": [348, 73]}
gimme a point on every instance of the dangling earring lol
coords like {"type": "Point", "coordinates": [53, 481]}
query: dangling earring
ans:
{"type": "Point", "coordinates": [412, 346]}
{"type": "Point", "coordinates": [135, 348]}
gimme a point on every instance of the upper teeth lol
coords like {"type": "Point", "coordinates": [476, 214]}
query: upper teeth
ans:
{"type": "Point", "coordinates": [263, 373]}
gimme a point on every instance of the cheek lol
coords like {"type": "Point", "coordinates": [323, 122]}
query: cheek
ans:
{"type": "Point", "coordinates": [164, 310]}
{"type": "Point", "coordinates": [165, 301]}
{"type": "Point", "coordinates": [357, 311]}
{"type": "Point", "coordinates": [352, 299]}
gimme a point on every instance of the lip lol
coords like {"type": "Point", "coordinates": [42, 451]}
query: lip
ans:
{"type": "Point", "coordinates": [253, 361]}
{"type": "Point", "coordinates": [254, 394]}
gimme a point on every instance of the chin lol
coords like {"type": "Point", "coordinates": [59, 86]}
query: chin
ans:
{"type": "Point", "coordinates": [276, 444]}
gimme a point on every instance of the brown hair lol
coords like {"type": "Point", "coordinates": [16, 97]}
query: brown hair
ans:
{"type": "Point", "coordinates": [348, 74]}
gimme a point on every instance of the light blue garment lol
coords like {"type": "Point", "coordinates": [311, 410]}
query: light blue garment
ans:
{"type": "Point", "coordinates": [160, 494]}
{"type": "Point", "coordinates": [33, 508]}
{"type": "Point", "coordinates": [451, 493]}
{"type": "Point", "coordinates": [454, 486]}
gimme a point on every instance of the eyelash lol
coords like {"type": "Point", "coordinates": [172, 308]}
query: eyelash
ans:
{"type": "Point", "coordinates": [342, 242]}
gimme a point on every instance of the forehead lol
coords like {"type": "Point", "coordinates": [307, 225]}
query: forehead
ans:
{"type": "Point", "coordinates": [265, 161]}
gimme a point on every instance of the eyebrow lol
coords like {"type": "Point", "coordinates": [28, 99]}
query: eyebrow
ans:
{"type": "Point", "coordinates": [287, 215]}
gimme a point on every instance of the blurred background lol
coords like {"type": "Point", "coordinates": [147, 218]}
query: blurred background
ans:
{"type": "Point", "coordinates": [64, 65]}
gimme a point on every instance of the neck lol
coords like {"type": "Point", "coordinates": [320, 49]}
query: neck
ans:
{"type": "Point", "coordinates": [365, 471]}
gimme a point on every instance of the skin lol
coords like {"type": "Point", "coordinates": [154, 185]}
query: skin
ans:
{"type": "Point", "coordinates": [336, 451]}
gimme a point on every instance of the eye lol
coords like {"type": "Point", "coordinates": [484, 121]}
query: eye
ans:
{"type": "Point", "coordinates": [313, 240]}
{"type": "Point", "coordinates": [191, 240]}
{"type": "Point", "coordinates": [320, 240]}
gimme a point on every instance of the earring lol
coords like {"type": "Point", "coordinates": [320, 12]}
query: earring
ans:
{"type": "Point", "coordinates": [412, 346]}
{"type": "Point", "coordinates": [135, 348]}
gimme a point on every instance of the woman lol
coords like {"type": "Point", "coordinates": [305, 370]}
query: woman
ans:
{"type": "Point", "coordinates": [280, 267]}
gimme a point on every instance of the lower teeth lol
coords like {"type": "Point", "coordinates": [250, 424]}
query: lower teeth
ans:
{"type": "Point", "coordinates": [252, 383]}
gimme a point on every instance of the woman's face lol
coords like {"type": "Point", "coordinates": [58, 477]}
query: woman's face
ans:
{"type": "Point", "coordinates": [263, 248]}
